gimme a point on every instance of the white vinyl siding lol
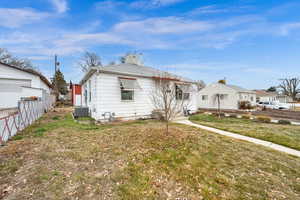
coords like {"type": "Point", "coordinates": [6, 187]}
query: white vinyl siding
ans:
{"type": "Point", "coordinates": [109, 99]}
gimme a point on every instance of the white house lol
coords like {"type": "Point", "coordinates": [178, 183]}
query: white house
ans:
{"type": "Point", "coordinates": [264, 96]}
{"type": "Point", "coordinates": [123, 90]}
{"type": "Point", "coordinates": [229, 95]}
{"type": "Point", "coordinates": [16, 83]}
{"type": "Point", "coordinates": [272, 97]}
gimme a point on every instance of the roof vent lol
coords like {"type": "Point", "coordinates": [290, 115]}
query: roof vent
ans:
{"type": "Point", "coordinates": [132, 58]}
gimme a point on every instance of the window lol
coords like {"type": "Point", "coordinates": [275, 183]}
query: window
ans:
{"type": "Point", "coordinates": [204, 97]}
{"type": "Point", "coordinates": [85, 95]}
{"type": "Point", "coordinates": [127, 86]}
{"type": "Point", "coordinates": [90, 91]}
{"type": "Point", "coordinates": [252, 98]}
{"type": "Point", "coordinates": [223, 96]}
{"type": "Point", "coordinates": [186, 96]}
{"type": "Point", "coordinates": [182, 91]}
{"type": "Point", "coordinates": [127, 95]}
{"type": "Point", "coordinates": [179, 93]}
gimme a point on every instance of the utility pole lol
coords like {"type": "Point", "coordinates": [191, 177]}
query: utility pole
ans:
{"type": "Point", "coordinates": [56, 65]}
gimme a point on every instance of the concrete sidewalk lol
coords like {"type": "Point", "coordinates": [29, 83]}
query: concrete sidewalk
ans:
{"type": "Point", "coordinates": [242, 137]}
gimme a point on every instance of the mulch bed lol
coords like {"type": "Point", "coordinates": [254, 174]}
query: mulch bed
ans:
{"type": "Point", "coordinates": [277, 114]}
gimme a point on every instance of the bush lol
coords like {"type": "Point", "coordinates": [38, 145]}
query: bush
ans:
{"type": "Point", "coordinates": [282, 121]}
{"type": "Point", "coordinates": [264, 119]}
{"type": "Point", "coordinates": [217, 114]}
{"type": "Point", "coordinates": [246, 116]}
{"type": "Point", "coordinates": [245, 105]}
{"type": "Point", "coordinates": [233, 115]}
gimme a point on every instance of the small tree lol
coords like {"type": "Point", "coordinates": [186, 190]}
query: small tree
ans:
{"type": "Point", "coordinates": [272, 89]}
{"type": "Point", "coordinates": [59, 83]}
{"type": "Point", "coordinates": [88, 60]}
{"type": "Point", "coordinates": [165, 99]}
{"type": "Point", "coordinates": [290, 86]}
{"type": "Point", "coordinates": [222, 81]}
{"type": "Point", "coordinates": [217, 98]}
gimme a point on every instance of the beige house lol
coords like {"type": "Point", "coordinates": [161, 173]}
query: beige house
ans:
{"type": "Point", "coordinates": [229, 95]}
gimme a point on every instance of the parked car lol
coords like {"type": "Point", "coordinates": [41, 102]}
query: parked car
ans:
{"type": "Point", "coordinates": [273, 105]}
{"type": "Point", "coordinates": [282, 106]}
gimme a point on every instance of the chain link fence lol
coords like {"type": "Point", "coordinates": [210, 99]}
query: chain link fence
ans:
{"type": "Point", "coordinates": [14, 120]}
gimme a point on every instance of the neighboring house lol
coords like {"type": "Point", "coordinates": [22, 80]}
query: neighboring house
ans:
{"type": "Point", "coordinates": [16, 83]}
{"type": "Point", "coordinates": [272, 97]}
{"type": "Point", "coordinates": [229, 95]}
{"type": "Point", "coordinates": [284, 98]}
{"type": "Point", "coordinates": [76, 96]}
{"type": "Point", "coordinates": [264, 96]}
{"type": "Point", "coordinates": [124, 90]}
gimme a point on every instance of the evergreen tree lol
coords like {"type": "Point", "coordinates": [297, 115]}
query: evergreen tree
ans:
{"type": "Point", "coordinates": [59, 83]}
{"type": "Point", "coordinates": [272, 89]}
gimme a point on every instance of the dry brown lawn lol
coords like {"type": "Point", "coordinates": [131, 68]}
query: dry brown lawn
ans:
{"type": "Point", "coordinates": [57, 158]}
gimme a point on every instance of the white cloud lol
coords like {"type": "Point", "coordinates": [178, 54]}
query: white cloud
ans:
{"type": "Point", "coordinates": [16, 17]}
{"type": "Point", "coordinates": [208, 10]}
{"type": "Point", "coordinates": [149, 4]}
{"type": "Point", "coordinates": [109, 5]}
{"type": "Point", "coordinates": [164, 25]}
{"type": "Point", "coordinates": [285, 29]}
{"type": "Point", "coordinates": [60, 6]}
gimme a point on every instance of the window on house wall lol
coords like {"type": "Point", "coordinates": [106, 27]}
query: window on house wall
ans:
{"type": "Point", "coordinates": [186, 96]}
{"type": "Point", "coordinates": [90, 91]}
{"type": "Point", "coordinates": [127, 95]}
{"type": "Point", "coordinates": [204, 97]}
{"type": "Point", "coordinates": [85, 95]}
{"type": "Point", "coordinates": [128, 86]}
{"type": "Point", "coordinates": [182, 91]}
{"type": "Point", "coordinates": [252, 98]}
{"type": "Point", "coordinates": [223, 96]}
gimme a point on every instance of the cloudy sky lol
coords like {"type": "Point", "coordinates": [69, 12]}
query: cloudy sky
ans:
{"type": "Point", "coordinates": [252, 43]}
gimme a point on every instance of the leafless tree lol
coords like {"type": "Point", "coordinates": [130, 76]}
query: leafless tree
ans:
{"type": "Point", "coordinates": [88, 60]}
{"type": "Point", "coordinates": [217, 98]}
{"type": "Point", "coordinates": [290, 86]}
{"type": "Point", "coordinates": [8, 58]}
{"type": "Point", "coordinates": [166, 99]}
{"type": "Point", "coordinates": [5, 56]}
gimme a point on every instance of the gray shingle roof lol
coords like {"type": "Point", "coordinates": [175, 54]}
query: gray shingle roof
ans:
{"type": "Point", "coordinates": [139, 70]}
{"type": "Point", "coordinates": [239, 89]}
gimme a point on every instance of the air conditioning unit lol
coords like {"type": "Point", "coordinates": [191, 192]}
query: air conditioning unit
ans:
{"type": "Point", "coordinates": [81, 112]}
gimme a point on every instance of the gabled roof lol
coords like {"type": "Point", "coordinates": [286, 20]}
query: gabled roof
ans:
{"type": "Point", "coordinates": [238, 88]}
{"type": "Point", "coordinates": [263, 93]}
{"type": "Point", "coordinates": [133, 70]}
{"type": "Point", "coordinates": [31, 71]}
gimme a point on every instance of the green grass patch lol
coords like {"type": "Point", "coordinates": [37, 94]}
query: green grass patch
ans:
{"type": "Point", "coordinates": [283, 134]}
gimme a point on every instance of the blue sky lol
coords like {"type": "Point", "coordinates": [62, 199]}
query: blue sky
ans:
{"type": "Point", "coordinates": [252, 43]}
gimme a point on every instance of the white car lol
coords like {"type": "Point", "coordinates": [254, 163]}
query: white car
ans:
{"type": "Point", "coordinates": [274, 105]}
{"type": "Point", "coordinates": [282, 106]}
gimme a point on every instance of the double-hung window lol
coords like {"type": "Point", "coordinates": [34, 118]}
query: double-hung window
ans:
{"type": "Point", "coordinates": [182, 91]}
{"type": "Point", "coordinates": [90, 91]}
{"type": "Point", "coordinates": [128, 86]}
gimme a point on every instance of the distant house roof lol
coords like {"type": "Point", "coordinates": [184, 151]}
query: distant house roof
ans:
{"type": "Point", "coordinates": [31, 71]}
{"type": "Point", "coordinates": [134, 70]}
{"type": "Point", "coordinates": [263, 93]}
{"type": "Point", "coordinates": [239, 89]}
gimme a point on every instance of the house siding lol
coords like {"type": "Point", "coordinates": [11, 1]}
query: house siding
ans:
{"type": "Point", "coordinates": [11, 81]}
{"type": "Point", "coordinates": [230, 102]}
{"type": "Point", "coordinates": [106, 89]}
